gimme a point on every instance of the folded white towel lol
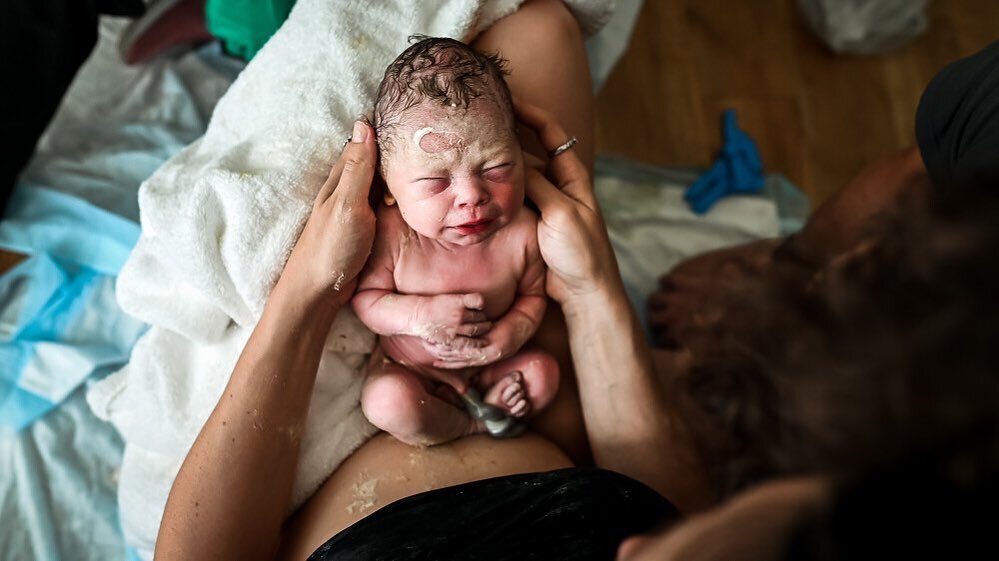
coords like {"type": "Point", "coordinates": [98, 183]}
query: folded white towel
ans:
{"type": "Point", "coordinates": [219, 219]}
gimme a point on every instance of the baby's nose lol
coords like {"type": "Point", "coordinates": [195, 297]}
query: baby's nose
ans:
{"type": "Point", "coordinates": [469, 191]}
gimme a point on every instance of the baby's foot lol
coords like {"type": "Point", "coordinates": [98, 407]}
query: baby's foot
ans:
{"type": "Point", "coordinates": [510, 394]}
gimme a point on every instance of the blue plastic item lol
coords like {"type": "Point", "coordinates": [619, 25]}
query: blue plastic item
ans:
{"type": "Point", "coordinates": [59, 321]}
{"type": "Point", "coordinates": [64, 326]}
{"type": "Point", "coordinates": [66, 227]}
{"type": "Point", "coordinates": [738, 169]}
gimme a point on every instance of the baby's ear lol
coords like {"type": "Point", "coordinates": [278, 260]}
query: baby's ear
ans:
{"type": "Point", "coordinates": [389, 199]}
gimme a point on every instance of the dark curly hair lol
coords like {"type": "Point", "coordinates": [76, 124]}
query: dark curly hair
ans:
{"type": "Point", "coordinates": [859, 363]}
{"type": "Point", "coordinates": [438, 69]}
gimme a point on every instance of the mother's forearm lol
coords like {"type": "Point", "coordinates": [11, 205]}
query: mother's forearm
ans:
{"type": "Point", "coordinates": [232, 492]}
{"type": "Point", "coordinates": [624, 405]}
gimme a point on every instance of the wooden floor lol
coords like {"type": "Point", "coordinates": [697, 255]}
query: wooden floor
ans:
{"type": "Point", "coordinates": [817, 117]}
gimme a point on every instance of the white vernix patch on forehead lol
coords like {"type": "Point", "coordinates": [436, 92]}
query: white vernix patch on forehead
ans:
{"type": "Point", "coordinates": [433, 142]}
{"type": "Point", "coordinates": [418, 135]}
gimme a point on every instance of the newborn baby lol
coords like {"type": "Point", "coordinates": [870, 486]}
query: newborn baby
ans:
{"type": "Point", "coordinates": [455, 284]}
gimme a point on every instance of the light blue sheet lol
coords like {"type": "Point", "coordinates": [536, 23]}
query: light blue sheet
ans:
{"type": "Point", "coordinates": [74, 213]}
{"type": "Point", "coordinates": [67, 328]}
{"type": "Point", "coordinates": [58, 497]}
{"type": "Point", "coordinates": [68, 228]}
{"type": "Point", "coordinates": [60, 322]}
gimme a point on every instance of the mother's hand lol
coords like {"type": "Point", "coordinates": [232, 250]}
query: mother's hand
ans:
{"type": "Point", "coordinates": [571, 232]}
{"type": "Point", "coordinates": [338, 236]}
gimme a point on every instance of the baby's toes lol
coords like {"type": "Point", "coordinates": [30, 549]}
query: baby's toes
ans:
{"type": "Point", "coordinates": [512, 394]}
{"type": "Point", "coordinates": [520, 408]}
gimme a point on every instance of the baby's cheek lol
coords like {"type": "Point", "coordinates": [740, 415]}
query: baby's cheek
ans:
{"type": "Point", "coordinates": [510, 198]}
{"type": "Point", "coordinates": [427, 217]}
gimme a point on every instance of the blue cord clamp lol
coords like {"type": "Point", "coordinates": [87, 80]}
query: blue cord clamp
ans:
{"type": "Point", "coordinates": [738, 169]}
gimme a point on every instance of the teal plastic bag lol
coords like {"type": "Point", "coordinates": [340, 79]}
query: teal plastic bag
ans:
{"type": "Point", "coordinates": [243, 26]}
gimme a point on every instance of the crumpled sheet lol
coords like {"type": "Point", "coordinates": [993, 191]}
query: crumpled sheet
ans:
{"type": "Point", "coordinates": [652, 228]}
{"type": "Point", "coordinates": [61, 326]}
{"type": "Point", "coordinates": [74, 212]}
{"type": "Point", "coordinates": [57, 488]}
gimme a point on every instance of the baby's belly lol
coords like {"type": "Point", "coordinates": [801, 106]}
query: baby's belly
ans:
{"type": "Point", "coordinates": [410, 352]}
{"type": "Point", "coordinates": [407, 351]}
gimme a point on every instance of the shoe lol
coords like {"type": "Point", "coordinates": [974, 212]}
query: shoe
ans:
{"type": "Point", "coordinates": [168, 26]}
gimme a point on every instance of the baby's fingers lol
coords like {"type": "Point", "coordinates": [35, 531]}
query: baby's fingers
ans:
{"type": "Point", "coordinates": [473, 301]}
{"type": "Point", "coordinates": [462, 362]}
{"type": "Point", "coordinates": [463, 344]}
{"type": "Point", "coordinates": [460, 348]}
{"type": "Point", "coordinates": [473, 316]}
{"type": "Point", "coordinates": [474, 329]}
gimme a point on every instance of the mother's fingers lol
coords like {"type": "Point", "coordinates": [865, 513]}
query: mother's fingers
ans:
{"type": "Point", "coordinates": [542, 192]}
{"type": "Point", "coordinates": [569, 171]}
{"type": "Point", "coordinates": [354, 171]}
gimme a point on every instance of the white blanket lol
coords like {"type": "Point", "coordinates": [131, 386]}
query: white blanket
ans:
{"type": "Point", "coordinates": [219, 219]}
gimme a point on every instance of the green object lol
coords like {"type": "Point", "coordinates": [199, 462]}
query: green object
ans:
{"type": "Point", "coordinates": [244, 26]}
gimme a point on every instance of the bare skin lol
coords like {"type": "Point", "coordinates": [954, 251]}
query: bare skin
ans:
{"type": "Point", "coordinates": [755, 525]}
{"type": "Point", "coordinates": [691, 296]}
{"type": "Point", "coordinates": [455, 285]}
{"type": "Point", "coordinates": [623, 402]}
{"type": "Point", "coordinates": [229, 498]}
{"type": "Point", "coordinates": [232, 494]}
{"type": "Point", "coordinates": [385, 470]}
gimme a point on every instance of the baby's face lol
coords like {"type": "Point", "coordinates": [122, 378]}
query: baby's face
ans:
{"type": "Point", "coordinates": [457, 174]}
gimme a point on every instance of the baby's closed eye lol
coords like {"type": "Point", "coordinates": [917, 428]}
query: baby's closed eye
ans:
{"type": "Point", "coordinates": [434, 185]}
{"type": "Point", "coordinates": [498, 173]}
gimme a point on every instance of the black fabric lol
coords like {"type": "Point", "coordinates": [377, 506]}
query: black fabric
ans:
{"type": "Point", "coordinates": [957, 123]}
{"type": "Point", "coordinates": [572, 514]}
{"type": "Point", "coordinates": [44, 43]}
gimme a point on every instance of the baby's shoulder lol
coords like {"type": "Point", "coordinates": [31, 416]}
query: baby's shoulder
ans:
{"type": "Point", "coordinates": [390, 229]}
{"type": "Point", "coordinates": [521, 236]}
{"type": "Point", "coordinates": [525, 227]}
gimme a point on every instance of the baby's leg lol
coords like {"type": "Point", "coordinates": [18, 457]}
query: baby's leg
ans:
{"type": "Point", "coordinates": [525, 382]}
{"type": "Point", "coordinates": [405, 405]}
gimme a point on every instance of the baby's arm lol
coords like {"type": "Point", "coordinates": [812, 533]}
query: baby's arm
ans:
{"type": "Point", "coordinates": [513, 329]}
{"type": "Point", "coordinates": [437, 319]}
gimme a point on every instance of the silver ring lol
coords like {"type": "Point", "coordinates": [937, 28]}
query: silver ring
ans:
{"type": "Point", "coordinates": [563, 147]}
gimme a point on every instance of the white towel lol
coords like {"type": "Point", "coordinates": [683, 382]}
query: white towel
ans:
{"type": "Point", "coordinates": [219, 219]}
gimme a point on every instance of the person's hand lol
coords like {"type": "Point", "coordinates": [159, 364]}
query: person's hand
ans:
{"type": "Point", "coordinates": [462, 352]}
{"type": "Point", "coordinates": [450, 320]}
{"type": "Point", "coordinates": [571, 232]}
{"type": "Point", "coordinates": [476, 351]}
{"type": "Point", "coordinates": [338, 235]}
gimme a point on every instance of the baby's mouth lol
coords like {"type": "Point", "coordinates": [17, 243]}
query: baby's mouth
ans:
{"type": "Point", "coordinates": [473, 227]}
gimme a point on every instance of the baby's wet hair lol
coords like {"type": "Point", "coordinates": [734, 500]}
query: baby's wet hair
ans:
{"type": "Point", "coordinates": [437, 69]}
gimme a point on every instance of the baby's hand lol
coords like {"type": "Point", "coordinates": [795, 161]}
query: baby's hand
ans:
{"type": "Point", "coordinates": [458, 349]}
{"type": "Point", "coordinates": [509, 335]}
{"type": "Point", "coordinates": [479, 351]}
{"type": "Point", "coordinates": [443, 319]}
